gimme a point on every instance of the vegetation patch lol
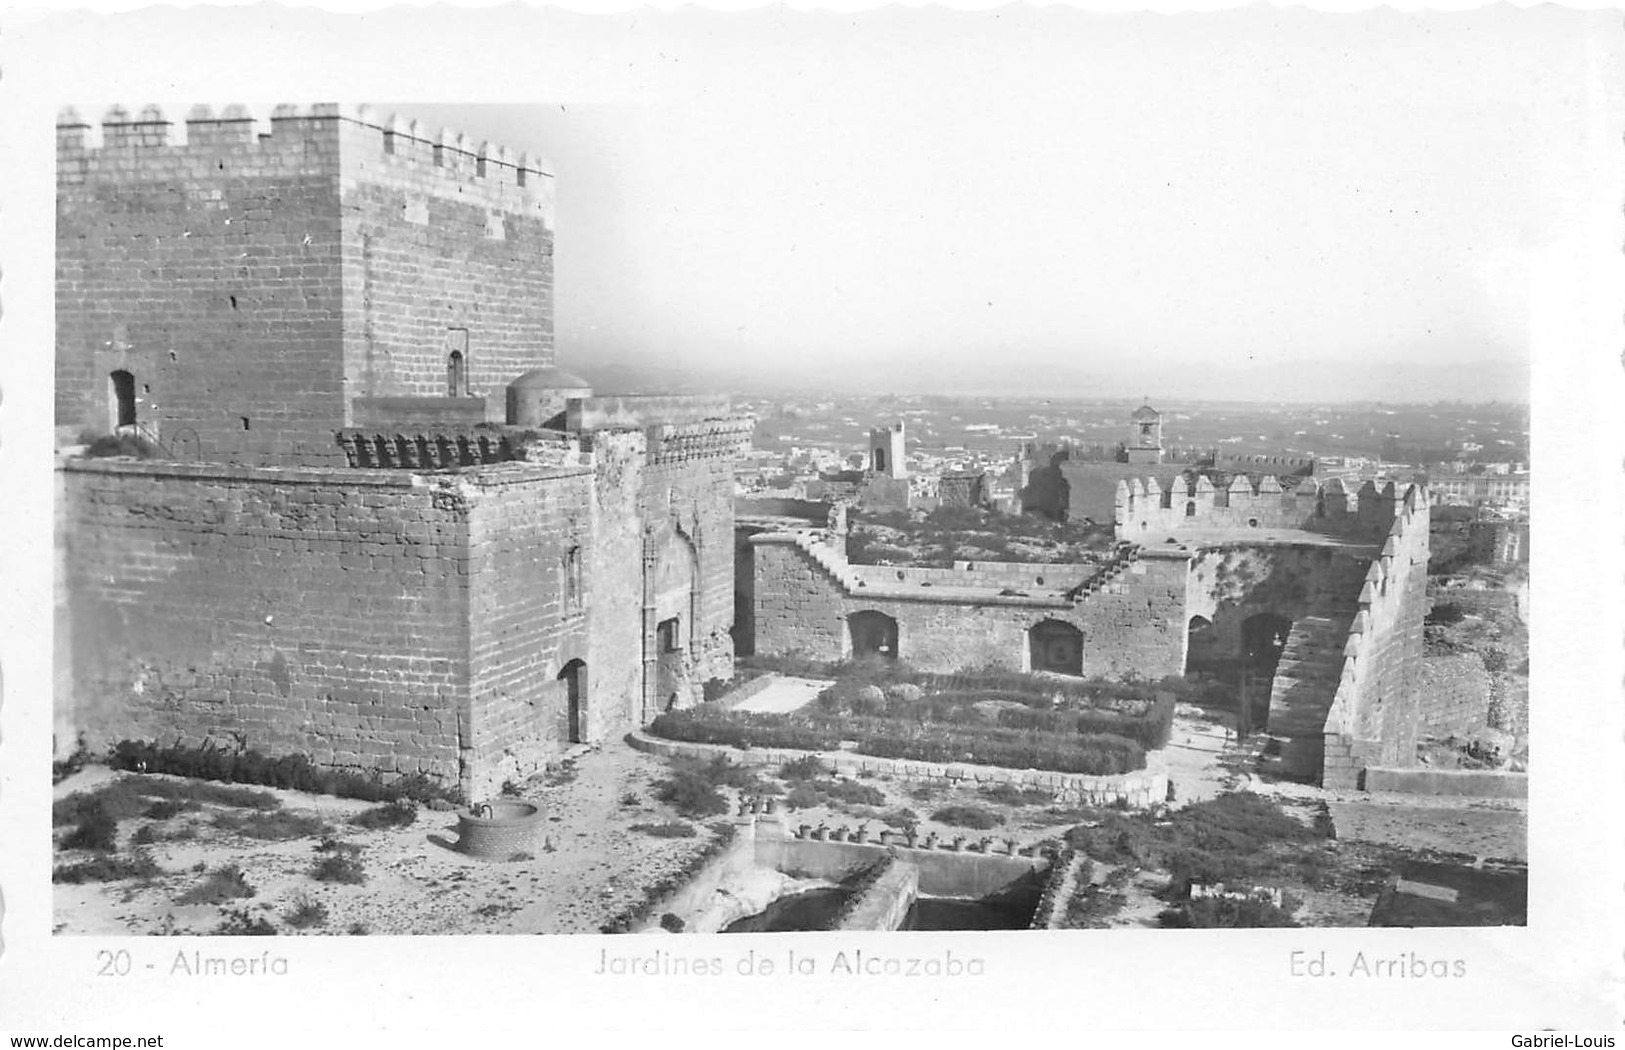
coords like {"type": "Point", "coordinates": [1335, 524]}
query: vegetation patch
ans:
{"type": "Point", "coordinates": [671, 829]}
{"type": "Point", "coordinates": [1237, 838]}
{"type": "Point", "coordinates": [306, 913]}
{"type": "Point", "coordinates": [948, 534]}
{"type": "Point", "coordinates": [1224, 913]}
{"type": "Point", "coordinates": [239, 923]}
{"type": "Point", "coordinates": [219, 886]}
{"type": "Point", "coordinates": [272, 827]}
{"type": "Point", "coordinates": [967, 817]}
{"type": "Point", "coordinates": [296, 772]}
{"type": "Point", "coordinates": [1010, 795]}
{"type": "Point", "coordinates": [400, 813]}
{"type": "Point", "coordinates": [138, 865]}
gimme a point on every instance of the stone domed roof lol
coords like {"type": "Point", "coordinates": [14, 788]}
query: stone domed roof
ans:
{"type": "Point", "coordinates": [550, 378]}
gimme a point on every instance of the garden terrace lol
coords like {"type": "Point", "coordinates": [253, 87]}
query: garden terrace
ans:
{"type": "Point", "coordinates": [1092, 726]}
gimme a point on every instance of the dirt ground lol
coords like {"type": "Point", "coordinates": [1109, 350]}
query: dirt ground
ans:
{"type": "Point", "coordinates": [591, 864]}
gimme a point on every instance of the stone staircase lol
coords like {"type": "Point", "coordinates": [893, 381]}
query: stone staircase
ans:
{"type": "Point", "coordinates": [1303, 688]}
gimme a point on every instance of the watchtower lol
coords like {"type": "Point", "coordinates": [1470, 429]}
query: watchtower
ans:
{"type": "Point", "coordinates": [1145, 436]}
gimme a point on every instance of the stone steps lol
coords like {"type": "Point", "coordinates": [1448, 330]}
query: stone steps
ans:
{"type": "Point", "coordinates": [1304, 686]}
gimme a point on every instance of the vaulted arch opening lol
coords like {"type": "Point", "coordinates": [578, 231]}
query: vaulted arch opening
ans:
{"type": "Point", "coordinates": [1056, 647]}
{"type": "Point", "coordinates": [873, 634]}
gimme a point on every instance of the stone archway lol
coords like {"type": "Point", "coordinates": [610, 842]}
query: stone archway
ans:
{"type": "Point", "coordinates": [873, 634]}
{"type": "Point", "coordinates": [1201, 644]}
{"type": "Point", "coordinates": [1056, 647]}
{"type": "Point", "coordinates": [1263, 636]}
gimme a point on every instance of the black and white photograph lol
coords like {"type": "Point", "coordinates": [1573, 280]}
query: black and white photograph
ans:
{"type": "Point", "coordinates": [975, 496]}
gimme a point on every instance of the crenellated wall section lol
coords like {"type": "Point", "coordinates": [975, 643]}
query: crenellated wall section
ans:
{"type": "Point", "coordinates": [255, 283]}
{"type": "Point", "coordinates": [1376, 712]}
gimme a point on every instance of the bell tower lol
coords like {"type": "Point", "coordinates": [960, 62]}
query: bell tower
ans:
{"type": "Point", "coordinates": [1145, 435]}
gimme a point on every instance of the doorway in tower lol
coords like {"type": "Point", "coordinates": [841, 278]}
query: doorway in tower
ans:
{"type": "Point", "coordinates": [574, 677]}
{"type": "Point", "coordinates": [1263, 637]}
{"type": "Point", "coordinates": [873, 634]}
{"type": "Point", "coordinates": [1056, 647]}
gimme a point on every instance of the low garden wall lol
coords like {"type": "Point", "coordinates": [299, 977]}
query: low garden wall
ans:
{"type": "Point", "coordinates": [1140, 789]}
{"type": "Point", "coordinates": [1482, 783]}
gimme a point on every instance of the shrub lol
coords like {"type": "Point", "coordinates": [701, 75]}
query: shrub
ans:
{"type": "Point", "coordinates": [690, 794]}
{"type": "Point", "coordinates": [97, 829]}
{"type": "Point", "coordinates": [339, 867]}
{"type": "Point", "coordinates": [807, 767]}
{"type": "Point", "coordinates": [631, 799]}
{"type": "Point", "coordinates": [329, 844]}
{"type": "Point", "coordinates": [108, 445]}
{"type": "Point", "coordinates": [671, 829]}
{"type": "Point", "coordinates": [671, 923]}
{"type": "Point", "coordinates": [306, 913]}
{"type": "Point", "coordinates": [967, 817]}
{"type": "Point", "coordinates": [397, 814]}
{"type": "Point", "coordinates": [221, 885]}
{"type": "Point", "coordinates": [139, 865]}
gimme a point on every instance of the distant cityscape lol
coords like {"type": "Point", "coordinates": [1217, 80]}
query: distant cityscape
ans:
{"type": "Point", "coordinates": [1472, 456]}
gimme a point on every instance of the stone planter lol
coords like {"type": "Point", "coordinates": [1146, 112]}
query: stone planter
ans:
{"type": "Point", "coordinates": [498, 830]}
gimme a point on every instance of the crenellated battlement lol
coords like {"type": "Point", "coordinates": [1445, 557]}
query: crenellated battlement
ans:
{"type": "Point", "coordinates": [296, 139]}
{"type": "Point", "coordinates": [1273, 464]}
{"type": "Point", "coordinates": [1145, 508]}
{"type": "Point", "coordinates": [1371, 721]}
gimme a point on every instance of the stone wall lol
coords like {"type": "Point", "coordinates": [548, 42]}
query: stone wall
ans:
{"type": "Point", "coordinates": [1150, 510]}
{"type": "Point", "coordinates": [291, 610]}
{"type": "Point", "coordinates": [1376, 715]}
{"type": "Point", "coordinates": [1453, 694]}
{"type": "Point", "coordinates": [1480, 783]}
{"type": "Point", "coordinates": [804, 594]}
{"type": "Point", "coordinates": [252, 284]}
{"type": "Point", "coordinates": [530, 540]}
{"type": "Point", "coordinates": [1232, 582]}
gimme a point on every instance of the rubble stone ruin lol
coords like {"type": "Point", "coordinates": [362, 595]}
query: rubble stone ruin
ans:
{"type": "Point", "coordinates": [366, 517]}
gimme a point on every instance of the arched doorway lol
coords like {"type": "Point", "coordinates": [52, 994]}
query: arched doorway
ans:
{"type": "Point", "coordinates": [1262, 638]}
{"type": "Point", "coordinates": [873, 634]}
{"type": "Point", "coordinates": [123, 391]}
{"type": "Point", "coordinates": [574, 677]}
{"type": "Point", "coordinates": [1055, 646]}
{"type": "Point", "coordinates": [1201, 645]}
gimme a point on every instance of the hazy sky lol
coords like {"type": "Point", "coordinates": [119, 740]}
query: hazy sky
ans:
{"type": "Point", "coordinates": [1137, 205]}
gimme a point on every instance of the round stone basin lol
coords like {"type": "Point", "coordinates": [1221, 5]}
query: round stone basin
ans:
{"type": "Point", "coordinates": [498, 830]}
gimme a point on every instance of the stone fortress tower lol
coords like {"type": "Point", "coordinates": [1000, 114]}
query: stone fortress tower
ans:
{"type": "Point", "coordinates": [372, 521]}
{"type": "Point", "coordinates": [888, 454]}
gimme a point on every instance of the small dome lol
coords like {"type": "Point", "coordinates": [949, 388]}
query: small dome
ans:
{"type": "Point", "coordinates": [549, 378]}
{"type": "Point", "coordinates": [1146, 412]}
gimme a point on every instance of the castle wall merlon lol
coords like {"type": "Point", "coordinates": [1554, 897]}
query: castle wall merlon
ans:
{"type": "Point", "coordinates": [449, 160]}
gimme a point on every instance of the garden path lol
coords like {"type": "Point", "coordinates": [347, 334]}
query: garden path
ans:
{"type": "Point", "coordinates": [786, 694]}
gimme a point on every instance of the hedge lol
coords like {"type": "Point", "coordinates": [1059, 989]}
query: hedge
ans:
{"type": "Point", "coordinates": [701, 725]}
{"type": "Point", "coordinates": [1091, 755]}
{"type": "Point", "coordinates": [1150, 730]}
{"type": "Point", "coordinates": [295, 772]}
